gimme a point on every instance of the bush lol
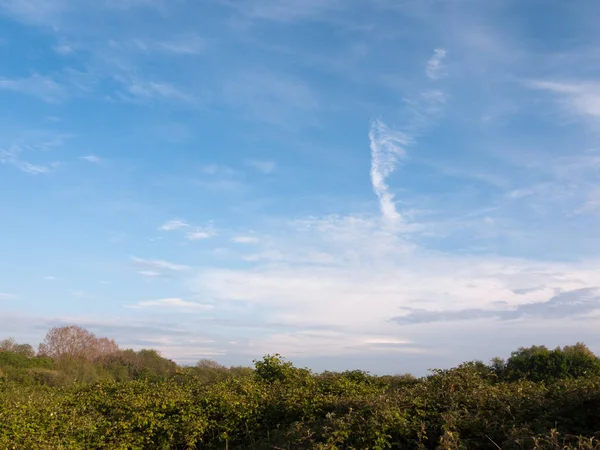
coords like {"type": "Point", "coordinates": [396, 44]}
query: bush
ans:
{"type": "Point", "coordinates": [537, 399]}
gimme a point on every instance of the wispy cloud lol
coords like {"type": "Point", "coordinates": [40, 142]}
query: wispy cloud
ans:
{"type": "Point", "coordinates": [218, 169]}
{"type": "Point", "coordinates": [581, 98]}
{"type": "Point", "coordinates": [186, 44]}
{"type": "Point", "coordinates": [574, 303]}
{"type": "Point", "coordinates": [82, 295]}
{"type": "Point", "coordinates": [52, 13]}
{"type": "Point", "coordinates": [64, 48]}
{"type": "Point", "coordinates": [264, 96]}
{"type": "Point", "coordinates": [27, 167]}
{"type": "Point", "coordinates": [245, 240]}
{"type": "Point", "coordinates": [199, 234]}
{"type": "Point", "coordinates": [321, 342]}
{"type": "Point", "coordinates": [91, 159]}
{"type": "Point", "coordinates": [386, 151]}
{"type": "Point", "coordinates": [172, 304]}
{"type": "Point", "coordinates": [13, 156]}
{"type": "Point", "coordinates": [387, 145]}
{"type": "Point", "coordinates": [174, 224]}
{"type": "Point", "coordinates": [150, 274]}
{"type": "Point", "coordinates": [287, 10]}
{"type": "Point", "coordinates": [371, 274]}
{"type": "Point", "coordinates": [435, 67]}
{"type": "Point", "coordinates": [50, 278]}
{"type": "Point", "coordinates": [195, 233]}
{"type": "Point", "coordinates": [40, 86]}
{"type": "Point", "coordinates": [265, 167]}
{"type": "Point", "coordinates": [35, 11]}
{"type": "Point", "coordinates": [142, 90]}
{"type": "Point", "coordinates": [5, 296]}
{"type": "Point", "coordinates": [219, 177]}
{"type": "Point", "coordinates": [422, 110]}
{"type": "Point", "coordinates": [158, 265]}
{"type": "Point", "coordinates": [591, 205]}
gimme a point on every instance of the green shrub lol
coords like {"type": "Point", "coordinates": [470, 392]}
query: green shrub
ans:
{"type": "Point", "coordinates": [537, 399]}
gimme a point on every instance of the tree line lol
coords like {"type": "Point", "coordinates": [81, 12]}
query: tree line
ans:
{"type": "Point", "coordinates": [78, 391]}
{"type": "Point", "coordinates": [73, 355]}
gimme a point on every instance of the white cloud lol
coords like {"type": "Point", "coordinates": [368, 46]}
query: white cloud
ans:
{"type": "Point", "coordinates": [158, 265]}
{"type": "Point", "coordinates": [373, 275]}
{"type": "Point", "coordinates": [49, 278]}
{"type": "Point", "coordinates": [64, 48]}
{"type": "Point", "coordinates": [592, 203]}
{"type": "Point", "coordinates": [152, 90]}
{"type": "Point", "coordinates": [387, 146]}
{"type": "Point", "coordinates": [387, 341]}
{"type": "Point", "coordinates": [287, 10]}
{"type": "Point", "coordinates": [36, 11]}
{"type": "Point", "coordinates": [245, 240]}
{"type": "Point", "coordinates": [39, 86]}
{"type": "Point", "coordinates": [131, 4]}
{"type": "Point", "coordinates": [150, 273]}
{"type": "Point", "coordinates": [354, 274]}
{"type": "Point", "coordinates": [172, 304]}
{"type": "Point", "coordinates": [386, 150]}
{"type": "Point", "coordinates": [174, 224]}
{"type": "Point", "coordinates": [435, 67]}
{"type": "Point", "coordinates": [5, 296]}
{"type": "Point", "coordinates": [323, 343]}
{"type": "Point", "coordinates": [273, 98]}
{"type": "Point", "coordinates": [581, 98]}
{"type": "Point", "coordinates": [422, 110]}
{"type": "Point", "coordinates": [265, 167]}
{"type": "Point", "coordinates": [27, 167]}
{"type": "Point", "coordinates": [218, 169]}
{"type": "Point", "coordinates": [12, 156]}
{"type": "Point", "coordinates": [55, 12]}
{"type": "Point", "coordinates": [34, 145]}
{"type": "Point", "coordinates": [198, 235]}
{"type": "Point", "coordinates": [191, 45]}
{"type": "Point", "coordinates": [187, 44]}
{"type": "Point", "coordinates": [91, 159]}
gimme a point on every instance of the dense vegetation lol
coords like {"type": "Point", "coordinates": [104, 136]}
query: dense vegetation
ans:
{"type": "Point", "coordinates": [81, 392]}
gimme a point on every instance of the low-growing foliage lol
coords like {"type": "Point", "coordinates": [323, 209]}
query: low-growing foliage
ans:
{"type": "Point", "coordinates": [123, 399]}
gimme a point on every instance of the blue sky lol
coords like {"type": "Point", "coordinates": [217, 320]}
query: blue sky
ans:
{"type": "Point", "coordinates": [385, 185]}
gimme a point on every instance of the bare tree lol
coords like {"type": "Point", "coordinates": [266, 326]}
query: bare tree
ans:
{"type": "Point", "coordinates": [106, 347]}
{"type": "Point", "coordinates": [209, 364]}
{"type": "Point", "coordinates": [73, 342]}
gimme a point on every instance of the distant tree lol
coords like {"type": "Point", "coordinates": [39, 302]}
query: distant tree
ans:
{"type": "Point", "coordinates": [152, 365]}
{"type": "Point", "coordinates": [209, 371]}
{"type": "Point", "coordinates": [74, 342]}
{"type": "Point", "coordinates": [485, 371]}
{"type": "Point", "coordinates": [18, 361]}
{"type": "Point", "coordinates": [105, 347]}
{"type": "Point", "coordinates": [398, 380]}
{"type": "Point", "coordinates": [240, 371]}
{"type": "Point", "coordinates": [209, 364]}
{"type": "Point", "coordinates": [129, 364]}
{"type": "Point", "coordinates": [358, 376]}
{"type": "Point", "coordinates": [498, 365]}
{"type": "Point", "coordinates": [274, 368]}
{"type": "Point", "coordinates": [538, 363]}
{"type": "Point", "coordinates": [10, 345]}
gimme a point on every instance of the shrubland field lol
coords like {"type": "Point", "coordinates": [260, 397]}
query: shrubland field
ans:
{"type": "Point", "coordinates": [78, 391]}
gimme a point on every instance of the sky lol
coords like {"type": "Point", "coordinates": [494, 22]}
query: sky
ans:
{"type": "Point", "coordinates": [385, 185]}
